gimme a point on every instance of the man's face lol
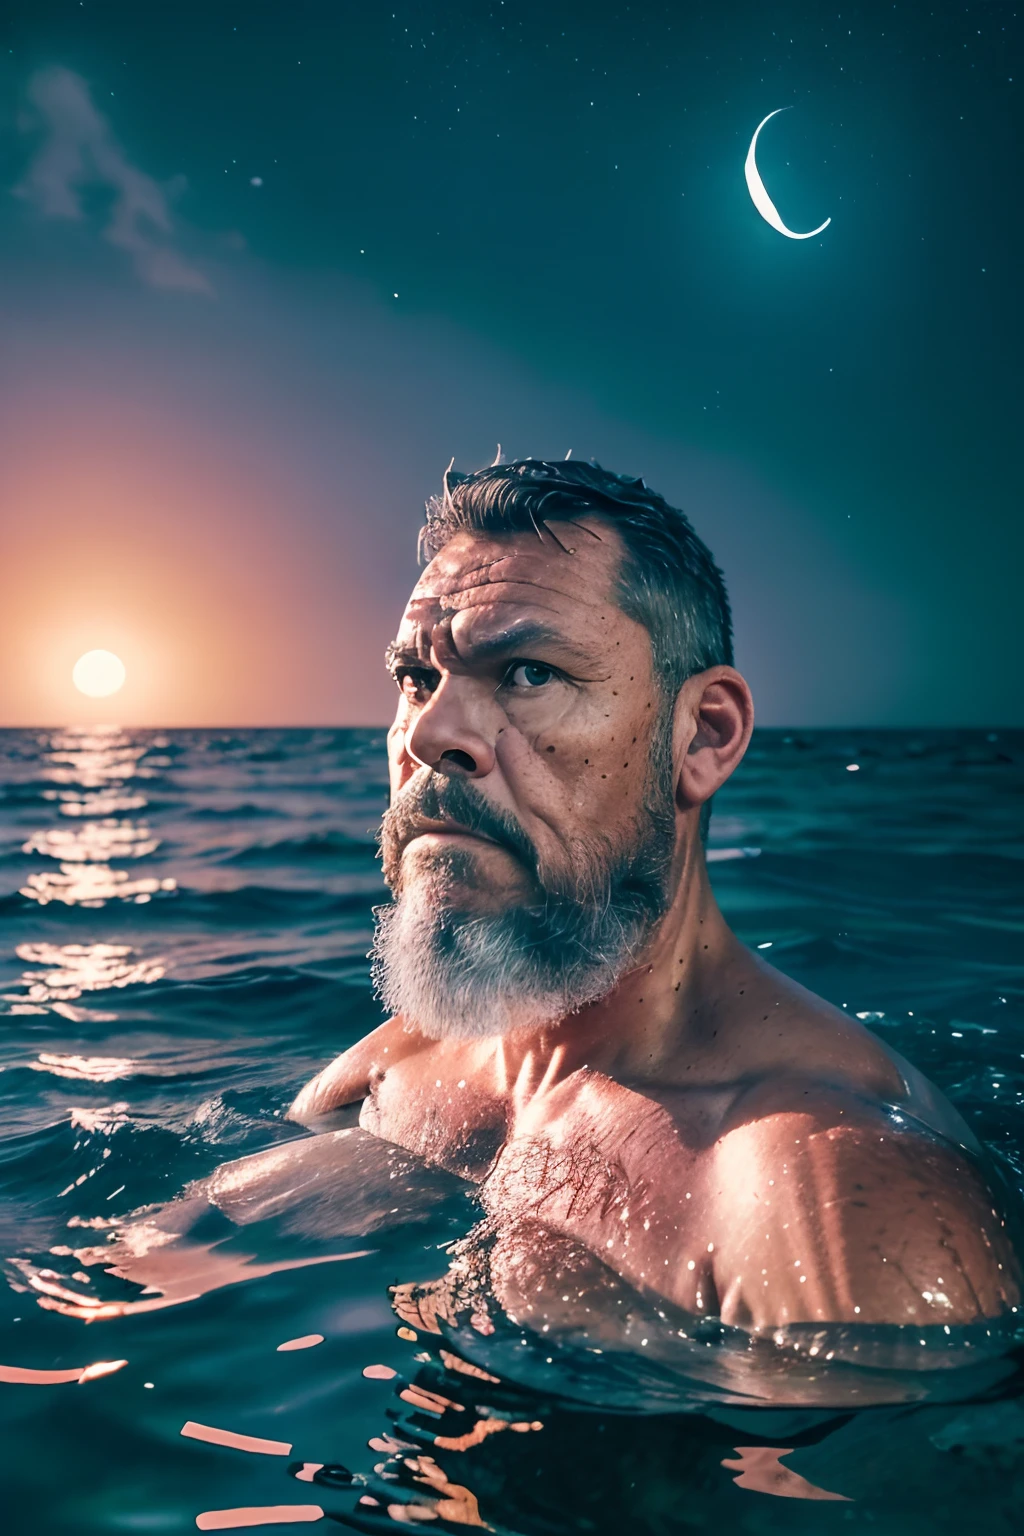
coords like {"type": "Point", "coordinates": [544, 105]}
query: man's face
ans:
{"type": "Point", "coordinates": [530, 831]}
{"type": "Point", "coordinates": [520, 674]}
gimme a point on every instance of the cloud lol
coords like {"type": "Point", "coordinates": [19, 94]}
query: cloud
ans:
{"type": "Point", "coordinates": [79, 151]}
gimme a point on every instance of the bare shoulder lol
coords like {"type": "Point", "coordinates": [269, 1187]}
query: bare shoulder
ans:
{"type": "Point", "coordinates": [781, 1027]}
{"type": "Point", "coordinates": [835, 1208]}
{"type": "Point", "coordinates": [784, 1032]}
{"type": "Point", "coordinates": [347, 1079]}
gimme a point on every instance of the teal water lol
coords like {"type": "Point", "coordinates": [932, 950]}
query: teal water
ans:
{"type": "Point", "coordinates": [184, 918]}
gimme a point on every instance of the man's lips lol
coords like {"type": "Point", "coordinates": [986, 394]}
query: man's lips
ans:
{"type": "Point", "coordinates": [423, 827]}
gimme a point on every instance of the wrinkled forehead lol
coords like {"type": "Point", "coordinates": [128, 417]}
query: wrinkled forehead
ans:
{"type": "Point", "coordinates": [564, 576]}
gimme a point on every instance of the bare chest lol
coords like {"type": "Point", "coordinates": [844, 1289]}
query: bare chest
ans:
{"type": "Point", "coordinates": [630, 1186]}
{"type": "Point", "coordinates": [600, 1164]}
{"type": "Point", "coordinates": [446, 1119]}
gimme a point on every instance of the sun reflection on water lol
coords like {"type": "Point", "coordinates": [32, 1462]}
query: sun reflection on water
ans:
{"type": "Point", "coordinates": [94, 759]}
{"type": "Point", "coordinates": [87, 1069]}
{"type": "Point", "coordinates": [98, 803]}
{"type": "Point", "coordinates": [94, 842]}
{"type": "Point", "coordinates": [71, 969]}
{"type": "Point", "coordinates": [92, 885]}
{"type": "Point", "coordinates": [95, 765]}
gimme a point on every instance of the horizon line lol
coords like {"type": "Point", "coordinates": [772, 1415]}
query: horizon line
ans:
{"type": "Point", "coordinates": [109, 725]}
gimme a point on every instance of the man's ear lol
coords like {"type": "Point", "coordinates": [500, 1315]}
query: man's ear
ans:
{"type": "Point", "coordinates": [714, 716]}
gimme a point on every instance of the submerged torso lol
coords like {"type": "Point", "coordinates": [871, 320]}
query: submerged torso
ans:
{"type": "Point", "coordinates": [829, 1181]}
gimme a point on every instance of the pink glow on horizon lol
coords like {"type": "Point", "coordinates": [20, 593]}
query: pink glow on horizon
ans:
{"type": "Point", "coordinates": [173, 546]}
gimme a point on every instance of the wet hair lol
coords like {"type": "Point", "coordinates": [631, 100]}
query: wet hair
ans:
{"type": "Point", "coordinates": [668, 580]}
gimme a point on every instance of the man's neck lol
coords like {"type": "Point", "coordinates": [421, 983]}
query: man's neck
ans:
{"type": "Point", "coordinates": [659, 1007]}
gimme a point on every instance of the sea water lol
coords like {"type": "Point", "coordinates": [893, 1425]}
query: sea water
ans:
{"type": "Point", "coordinates": [184, 920]}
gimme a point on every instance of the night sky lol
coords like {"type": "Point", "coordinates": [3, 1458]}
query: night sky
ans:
{"type": "Point", "coordinates": [264, 269]}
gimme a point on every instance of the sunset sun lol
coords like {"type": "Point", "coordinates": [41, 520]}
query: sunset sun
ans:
{"type": "Point", "coordinates": [98, 674]}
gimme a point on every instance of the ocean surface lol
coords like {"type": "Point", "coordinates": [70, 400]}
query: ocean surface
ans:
{"type": "Point", "coordinates": [184, 920]}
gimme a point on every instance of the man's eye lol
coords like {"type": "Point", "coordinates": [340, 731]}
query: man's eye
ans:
{"type": "Point", "coordinates": [528, 674]}
{"type": "Point", "coordinates": [415, 680]}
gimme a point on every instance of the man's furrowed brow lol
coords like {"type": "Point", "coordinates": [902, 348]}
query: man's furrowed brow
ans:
{"type": "Point", "coordinates": [517, 639]}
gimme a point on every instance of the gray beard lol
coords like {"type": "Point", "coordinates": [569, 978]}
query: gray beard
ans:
{"type": "Point", "coordinates": [459, 975]}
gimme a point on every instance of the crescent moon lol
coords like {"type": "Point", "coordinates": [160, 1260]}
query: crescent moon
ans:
{"type": "Point", "coordinates": [758, 194]}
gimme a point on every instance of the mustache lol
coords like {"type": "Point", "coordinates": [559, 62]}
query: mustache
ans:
{"type": "Point", "coordinates": [439, 797]}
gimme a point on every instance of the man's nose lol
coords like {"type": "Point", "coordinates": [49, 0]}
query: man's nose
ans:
{"type": "Point", "coordinates": [449, 733]}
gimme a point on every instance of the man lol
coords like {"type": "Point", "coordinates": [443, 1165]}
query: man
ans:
{"type": "Point", "coordinates": [575, 1027]}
